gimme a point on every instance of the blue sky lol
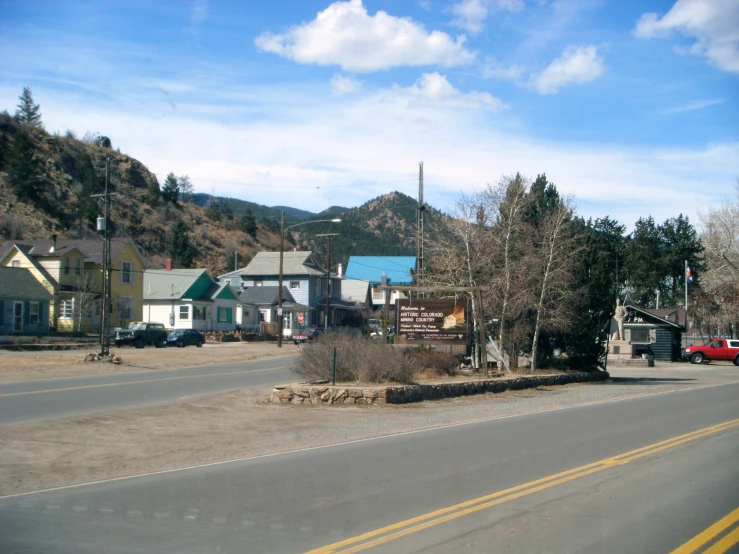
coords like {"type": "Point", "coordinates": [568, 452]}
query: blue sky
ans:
{"type": "Point", "coordinates": [632, 107]}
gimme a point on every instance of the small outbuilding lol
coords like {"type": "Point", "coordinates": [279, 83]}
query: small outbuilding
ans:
{"type": "Point", "coordinates": [652, 332]}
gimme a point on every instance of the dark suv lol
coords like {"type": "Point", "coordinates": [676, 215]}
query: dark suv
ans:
{"type": "Point", "coordinates": [183, 337]}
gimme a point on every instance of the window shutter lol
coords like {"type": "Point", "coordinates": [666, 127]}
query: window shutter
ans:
{"type": "Point", "coordinates": [229, 317]}
{"type": "Point", "coordinates": [133, 273]}
{"type": "Point", "coordinates": [2, 312]}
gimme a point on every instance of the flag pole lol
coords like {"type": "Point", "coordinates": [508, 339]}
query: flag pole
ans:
{"type": "Point", "coordinates": [686, 293]}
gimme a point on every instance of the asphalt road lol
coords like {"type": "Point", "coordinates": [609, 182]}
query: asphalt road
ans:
{"type": "Point", "coordinates": [51, 398]}
{"type": "Point", "coordinates": [596, 478]}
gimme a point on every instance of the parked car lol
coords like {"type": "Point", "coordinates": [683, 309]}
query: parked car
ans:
{"type": "Point", "coordinates": [184, 337]}
{"type": "Point", "coordinates": [139, 334]}
{"type": "Point", "coordinates": [717, 349]}
{"type": "Point", "coordinates": [377, 333]}
{"type": "Point", "coordinates": [308, 334]}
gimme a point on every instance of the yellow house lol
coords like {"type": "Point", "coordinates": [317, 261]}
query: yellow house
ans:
{"type": "Point", "coordinates": [72, 270]}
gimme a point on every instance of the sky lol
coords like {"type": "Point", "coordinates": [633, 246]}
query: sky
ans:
{"type": "Point", "coordinates": [630, 107]}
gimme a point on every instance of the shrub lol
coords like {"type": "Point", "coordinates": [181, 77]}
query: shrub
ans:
{"type": "Point", "coordinates": [441, 363]}
{"type": "Point", "coordinates": [358, 360]}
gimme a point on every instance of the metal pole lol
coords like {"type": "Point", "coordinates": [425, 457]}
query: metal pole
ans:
{"type": "Point", "coordinates": [334, 378]}
{"type": "Point", "coordinates": [328, 285]}
{"type": "Point", "coordinates": [279, 292]}
{"type": "Point", "coordinates": [106, 343]}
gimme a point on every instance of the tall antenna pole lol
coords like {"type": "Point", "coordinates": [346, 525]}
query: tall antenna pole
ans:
{"type": "Point", "coordinates": [108, 263]}
{"type": "Point", "coordinates": [420, 265]}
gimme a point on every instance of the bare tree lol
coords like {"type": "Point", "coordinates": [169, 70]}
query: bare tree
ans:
{"type": "Point", "coordinates": [460, 257]}
{"type": "Point", "coordinates": [84, 300]}
{"type": "Point", "coordinates": [553, 264]}
{"type": "Point", "coordinates": [720, 238]}
{"type": "Point", "coordinates": [506, 205]}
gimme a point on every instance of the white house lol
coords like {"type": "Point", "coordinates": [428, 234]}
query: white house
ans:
{"type": "Point", "coordinates": [189, 299]}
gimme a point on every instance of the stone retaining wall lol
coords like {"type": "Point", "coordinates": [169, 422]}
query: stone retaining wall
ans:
{"type": "Point", "coordinates": [404, 394]}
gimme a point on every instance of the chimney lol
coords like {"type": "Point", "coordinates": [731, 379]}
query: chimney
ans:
{"type": "Point", "coordinates": [168, 264]}
{"type": "Point", "coordinates": [53, 243]}
{"type": "Point", "coordinates": [340, 271]}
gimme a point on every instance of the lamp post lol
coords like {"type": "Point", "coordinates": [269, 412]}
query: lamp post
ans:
{"type": "Point", "coordinates": [283, 229]}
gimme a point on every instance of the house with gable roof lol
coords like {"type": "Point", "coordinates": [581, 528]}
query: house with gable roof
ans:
{"type": "Point", "coordinates": [24, 303]}
{"type": "Point", "coordinates": [189, 299]}
{"type": "Point", "coordinates": [72, 271]}
{"type": "Point", "coordinates": [305, 280]}
{"type": "Point", "coordinates": [399, 270]}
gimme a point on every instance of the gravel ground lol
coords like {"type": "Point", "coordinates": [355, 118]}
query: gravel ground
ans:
{"type": "Point", "coordinates": [24, 366]}
{"type": "Point", "coordinates": [240, 424]}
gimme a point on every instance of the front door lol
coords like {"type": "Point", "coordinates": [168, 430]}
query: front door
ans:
{"type": "Point", "coordinates": [18, 317]}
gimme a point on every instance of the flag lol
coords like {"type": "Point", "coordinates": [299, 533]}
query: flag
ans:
{"type": "Point", "coordinates": [688, 274]}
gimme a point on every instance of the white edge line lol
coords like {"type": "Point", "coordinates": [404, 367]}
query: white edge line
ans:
{"type": "Point", "coordinates": [368, 439]}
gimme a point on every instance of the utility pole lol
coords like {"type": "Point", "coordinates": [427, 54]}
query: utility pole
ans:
{"type": "Point", "coordinates": [104, 226]}
{"type": "Point", "coordinates": [420, 238]}
{"type": "Point", "coordinates": [279, 291]}
{"type": "Point", "coordinates": [328, 274]}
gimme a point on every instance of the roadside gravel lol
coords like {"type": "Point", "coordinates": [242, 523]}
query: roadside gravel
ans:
{"type": "Point", "coordinates": [24, 366]}
{"type": "Point", "coordinates": [241, 424]}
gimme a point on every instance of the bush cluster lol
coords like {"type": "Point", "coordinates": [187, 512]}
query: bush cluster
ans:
{"type": "Point", "coordinates": [441, 363]}
{"type": "Point", "coordinates": [358, 360]}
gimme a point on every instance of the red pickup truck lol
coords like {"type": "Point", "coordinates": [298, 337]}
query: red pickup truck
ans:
{"type": "Point", "coordinates": [717, 349]}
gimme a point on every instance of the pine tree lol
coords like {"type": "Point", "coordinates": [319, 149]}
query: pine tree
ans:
{"type": "Point", "coordinates": [24, 168]}
{"type": "Point", "coordinates": [213, 212]}
{"type": "Point", "coordinates": [28, 112]}
{"type": "Point", "coordinates": [248, 224]}
{"type": "Point", "coordinates": [171, 189]}
{"type": "Point", "coordinates": [178, 245]}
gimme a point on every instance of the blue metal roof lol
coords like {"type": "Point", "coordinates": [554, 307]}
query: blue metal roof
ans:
{"type": "Point", "coordinates": [369, 268]}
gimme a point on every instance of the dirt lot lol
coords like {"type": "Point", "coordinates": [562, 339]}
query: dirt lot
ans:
{"type": "Point", "coordinates": [21, 366]}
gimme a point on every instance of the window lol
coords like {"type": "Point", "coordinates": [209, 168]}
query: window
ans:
{"type": "Point", "coordinates": [77, 266]}
{"type": "Point", "coordinates": [15, 263]}
{"type": "Point", "coordinates": [717, 344]}
{"type": "Point", "coordinates": [184, 312]}
{"type": "Point", "coordinates": [198, 313]}
{"type": "Point", "coordinates": [66, 308]}
{"type": "Point", "coordinates": [294, 285]}
{"type": "Point", "coordinates": [262, 315]}
{"type": "Point", "coordinates": [224, 315]}
{"type": "Point", "coordinates": [258, 282]}
{"type": "Point", "coordinates": [33, 313]}
{"type": "Point", "coordinates": [125, 275]}
{"type": "Point", "coordinates": [125, 308]}
{"type": "Point", "coordinates": [640, 335]}
{"type": "Point", "coordinates": [318, 286]}
{"type": "Point", "coordinates": [66, 266]}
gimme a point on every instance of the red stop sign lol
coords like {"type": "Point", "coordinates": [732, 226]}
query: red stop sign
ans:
{"type": "Point", "coordinates": [300, 318]}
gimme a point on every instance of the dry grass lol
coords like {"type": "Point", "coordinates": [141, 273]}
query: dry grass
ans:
{"type": "Point", "coordinates": [358, 360]}
{"type": "Point", "coordinates": [21, 366]}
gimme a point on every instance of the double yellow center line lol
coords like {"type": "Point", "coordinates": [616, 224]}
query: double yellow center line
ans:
{"type": "Point", "coordinates": [413, 525]}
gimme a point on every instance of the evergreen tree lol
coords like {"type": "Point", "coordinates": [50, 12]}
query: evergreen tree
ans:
{"type": "Point", "coordinates": [248, 224]}
{"type": "Point", "coordinates": [171, 189]}
{"type": "Point", "coordinates": [24, 168]}
{"type": "Point", "coordinates": [28, 112]}
{"type": "Point", "coordinates": [178, 245]}
{"type": "Point", "coordinates": [226, 210]}
{"type": "Point", "coordinates": [214, 211]}
{"type": "Point", "coordinates": [154, 192]}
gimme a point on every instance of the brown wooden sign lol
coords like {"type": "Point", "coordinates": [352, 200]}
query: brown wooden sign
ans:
{"type": "Point", "coordinates": [432, 321]}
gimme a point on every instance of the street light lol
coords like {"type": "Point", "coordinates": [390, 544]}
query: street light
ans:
{"type": "Point", "coordinates": [283, 229]}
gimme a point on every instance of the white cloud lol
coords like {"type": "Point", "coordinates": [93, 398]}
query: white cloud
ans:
{"type": "Point", "coordinates": [713, 23]}
{"type": "Point", "coordinates": [580, 64]}
{"type": "Point", "coordinates": [343, 84]}
{"type": "Point", "coordinates": [436, 89]}
{"type": "Point", "coordinates": [300, 143]}
{"type": "Point", "coordinates": [344, 34]}
{"type": "Point", "coordinates": [693, 106]}
{"type": "Point", "coordinates": [471, 14]}
{"type": "Point", "coordinates": [495, 70]}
